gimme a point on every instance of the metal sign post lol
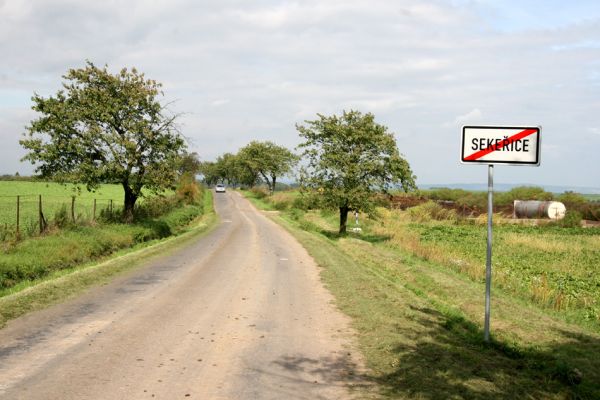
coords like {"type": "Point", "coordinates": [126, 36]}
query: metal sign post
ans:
{"type": "Point", "coordinates": [491, 145]}
{"type": "Point", "coordinates": [488, 258]}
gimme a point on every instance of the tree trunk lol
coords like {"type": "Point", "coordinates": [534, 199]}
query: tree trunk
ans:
{"type": "Point", "coordinates": [343, 219]}
{"type": "Point", "coordinates": [273, 184]}
{"type": "Point", "coordinates": [130, 199]}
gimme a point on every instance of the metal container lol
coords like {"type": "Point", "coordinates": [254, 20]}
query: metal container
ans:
{"type": "Point", "coordinates": [539, 209]}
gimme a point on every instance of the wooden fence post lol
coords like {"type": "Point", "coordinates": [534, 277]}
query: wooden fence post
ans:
{"type": "Point", "coordinates": [94, 217]}
{"type": "Point", "coordinates": [111, 208]}
{"type": "Point", "coordinates": [40, 215]}
{"type": "Point", "coordinates": [73, 208]}
{"type": "Point", "coordinates": [18, 216]}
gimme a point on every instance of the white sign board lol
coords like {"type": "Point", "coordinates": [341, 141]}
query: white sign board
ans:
{"type": "Point", "coordinates": [512, 145]}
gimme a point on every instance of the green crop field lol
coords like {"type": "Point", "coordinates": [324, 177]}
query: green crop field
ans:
{"type": "Point", "coordinates": [555, 267]}
{"type": "Point", "coordinates": [54, 197]}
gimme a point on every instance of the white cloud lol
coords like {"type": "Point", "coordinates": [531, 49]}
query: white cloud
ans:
{"type": "Point", "coordinates": [243, 70]}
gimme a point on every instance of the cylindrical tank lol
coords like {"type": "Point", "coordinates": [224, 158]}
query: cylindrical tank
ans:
{"type": "Point", "coordinates": [539, 209]}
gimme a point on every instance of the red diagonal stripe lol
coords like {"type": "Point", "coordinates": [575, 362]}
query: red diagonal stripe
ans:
{"type": "Point", "coordinates": [513, 138]}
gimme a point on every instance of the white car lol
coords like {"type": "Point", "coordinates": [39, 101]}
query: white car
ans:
{"type": "Point", "coordinates": [220, 188]}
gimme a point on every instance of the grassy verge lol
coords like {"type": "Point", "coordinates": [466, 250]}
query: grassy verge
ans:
{"type": "Point", "coordinates": [419, 324]}
{"type": "Point", "coordinates": [63, 283]}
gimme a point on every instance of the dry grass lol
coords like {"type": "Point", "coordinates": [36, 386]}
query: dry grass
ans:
{"type": "Point", "coordinates": [395, 226]}
{"type": "Point", "coordinates": [549, 243]}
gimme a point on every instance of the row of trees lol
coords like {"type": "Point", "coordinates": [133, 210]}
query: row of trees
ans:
{"type": "Point", "coordinates": [253, 163]}
{"type": "Point", "coordinates": [347, 160]}
{"type": "Point", "coordinates": [103, 128]}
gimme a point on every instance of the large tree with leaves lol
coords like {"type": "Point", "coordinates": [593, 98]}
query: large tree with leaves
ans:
{"type": "Point", "coordinates": [106, 128]}
{"type": "Point", "coordinates": [267, 160]}
{"type": "Point", "coordinates": [349, 159]}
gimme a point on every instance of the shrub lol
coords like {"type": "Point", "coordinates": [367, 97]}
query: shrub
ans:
{"type": "Point", "coordinates": [296, 214]}
{"type": "Point", "coordinates": [155, 206]}
{"type": "Point", "coordinates": [431, 211]}
{"type": "Point", "coordinates": [259, 192]}
{"type": "Point", "coordinates": [61, 217]}
{"type": "Point", "coordinates": [572, 200]}
{"type": "Point", "coordinates": [474, 201]}
{"type": "Point", "coordinates": [306, 202]}
{"type": "Point", "coordinates": [445, 194]}
{"type": "Point", "coordinates": [187, 189]}
{"type": "Point", "coordinates": [522, 193]}
{"type": "Point", "coordinates": [281, 201]}
{"type": "Point", "coordinates": [572, 219]}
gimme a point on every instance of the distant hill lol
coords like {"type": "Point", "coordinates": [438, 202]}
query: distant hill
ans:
{"type": "Point", "coordinates": [503, 187]}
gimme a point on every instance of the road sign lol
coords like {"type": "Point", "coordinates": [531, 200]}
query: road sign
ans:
{"type": "Point", "coordinates": [511, 145]}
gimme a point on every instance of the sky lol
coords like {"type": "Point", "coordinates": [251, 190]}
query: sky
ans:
{"type": "Point", "coordinates": [243, 70]}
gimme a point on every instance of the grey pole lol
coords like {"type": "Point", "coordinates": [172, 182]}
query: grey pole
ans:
{"type": "Point", "coordinates": [488, 260]}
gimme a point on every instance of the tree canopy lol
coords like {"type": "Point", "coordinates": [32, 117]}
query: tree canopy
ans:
{"type": "Point", "coordinates": [252, 163]}
{"type": "Point", "coordinates": [267, 160]}
{"type": "Point", "coordinates": [349, 159]}
{"type": "Point", "coordinates": [106, 128]}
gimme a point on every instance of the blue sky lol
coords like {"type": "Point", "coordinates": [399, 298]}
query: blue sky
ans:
{"type": "Point", "coordinates": [243, 70]}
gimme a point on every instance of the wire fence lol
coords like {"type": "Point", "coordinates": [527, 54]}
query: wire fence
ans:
{"type": "Point", "coordinates": [29, 215]}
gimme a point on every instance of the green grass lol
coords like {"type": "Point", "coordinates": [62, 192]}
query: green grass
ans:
{"type": "Point", "coordinates": [592, 197]}
{"type": "Point", "coordinates": [38, 257]}
{"type": "Point", "coordinates": [55, 196]}
{"type": "Point", "coordinates": [419, 321]}
{"type": "Point", "coordinates": [68, 280]}
{"type": "Point", "coordinates": [551, 266]}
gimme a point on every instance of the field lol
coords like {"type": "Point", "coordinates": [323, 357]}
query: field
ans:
{"type": "Point", "coordinates": [64, 247]}
{"type": "Point", "coordinates": [54, 197]}
{"type": "Point", "coordinates": [592, 197]}
{"type": "Point", "coordinates": [552, 266]}
{"type": "Point", "coordinates": [414, 287]}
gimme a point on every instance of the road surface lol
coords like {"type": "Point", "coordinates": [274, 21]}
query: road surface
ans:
{"type": "Point", "coordinates": [239, 314]}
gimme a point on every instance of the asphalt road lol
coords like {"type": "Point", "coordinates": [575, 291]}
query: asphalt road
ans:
{"type": "Point", "coordinates": [238, 314]}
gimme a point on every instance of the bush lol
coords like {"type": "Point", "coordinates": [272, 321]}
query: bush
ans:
{"type": "Point", "coordinates": [445, 194]}
{"type": "Point", "coordinates": [259, 192]}
{"type": "Point", "coordinates": [522, 193]}
{"type": "Point", "coordinates": [432, 211]}
{"type": "Point", "coordinates": [281, 201]}
{"type": "Point", "coordinates": [474, 201]}
{"type": "Point", "coordinates": [572, 219]}
{"type": "Point", "coordinates": [296, 214]}
{"type": "Point", "coordinates": [155, 206]}
{"type": "Point", "coordinates": [187, 190]}
{"type": "Point", "coordinates": [572, 200]}
{"type": "Point", "coordinates": [61, 217]}
{"type": "Point", "coordinates": [306, 202]}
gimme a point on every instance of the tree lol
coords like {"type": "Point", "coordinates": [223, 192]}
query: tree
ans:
{"type": "Point", "coordinates": [106, 128]}
{"type": "Point", "coordinates": [349, 159]}
{"type": "Point", "coordinates": [267, 160]}
{"type": "Point", "coordinates": [210, 173]}
{"type": "Point", "coordinates": [188, 163]}
{"type": "Point", "coordinates": [188, 166]}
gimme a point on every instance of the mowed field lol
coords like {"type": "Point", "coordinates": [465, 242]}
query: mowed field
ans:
{"type": "Point", "coordinates": [54, 197]}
